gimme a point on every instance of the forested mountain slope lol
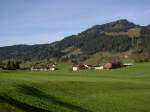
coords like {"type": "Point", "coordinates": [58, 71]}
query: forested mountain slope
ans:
{"type": "Point", "coordinates": [118, 36]}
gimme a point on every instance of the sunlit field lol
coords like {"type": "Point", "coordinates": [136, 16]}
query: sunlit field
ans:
{"type": "Point", "coordinates": [118, 90]}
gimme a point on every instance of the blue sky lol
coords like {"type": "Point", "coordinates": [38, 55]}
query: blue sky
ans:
{"type": "Point", "coordinates": [45, 21]}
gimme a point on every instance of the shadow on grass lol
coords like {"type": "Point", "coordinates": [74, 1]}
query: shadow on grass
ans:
{"type": "Point", "coordinates": [21, 105]}
{"type": "Point", "coordinates": [28, 90]}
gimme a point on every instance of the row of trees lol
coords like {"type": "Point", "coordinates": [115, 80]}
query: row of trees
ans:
{"type": "Point", "coordinates": [10, 65]}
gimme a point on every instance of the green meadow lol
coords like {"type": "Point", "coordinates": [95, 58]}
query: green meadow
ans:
{"type": "Point", "coordinates": [118, 90]}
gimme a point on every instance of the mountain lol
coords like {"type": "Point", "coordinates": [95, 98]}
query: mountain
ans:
{"type": "Point", "coordinates": [97, 39]}
{"type": "Point", "coordinates": [117, 36]}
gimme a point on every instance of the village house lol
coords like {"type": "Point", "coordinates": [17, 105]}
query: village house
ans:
{"type": "Point", "coordinates": [75, 68]}
{"type": "Point", "coordinates": [86, 67]}
{"type": "Point", "coordinates": [38, 67]}
{"type": "Point", "coordinates": [52, 68]}
{"type": "Point", "coordinates": [80, 67]}
{"type": "Point", "coordinates": [98, 67]}
{"type": "Point", "coordinates": [107, 66]}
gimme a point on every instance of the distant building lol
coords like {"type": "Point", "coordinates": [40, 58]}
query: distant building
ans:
{"type": "Point", "coordinates": [43, 68]}
{"type": "Point", "coordinates": [86, 67]}
{"type": "Point", "coordinates": [52, 69]}
{"type": "Point", "coordinates": [80, 67]}
{"type": "Point", "coordinates": [75, 68]}
{"type": "Point", "coordinates": [107, 66]}
{"type": "Point", "coordinates": [112, 65]}
{"type": "Point", "coordinates": [98, 67]}
{"type": "Point", "coordinates": [127, 64]}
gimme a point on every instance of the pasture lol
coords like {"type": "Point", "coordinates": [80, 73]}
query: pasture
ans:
{"type": "Point", "coordinates": [119, 90]}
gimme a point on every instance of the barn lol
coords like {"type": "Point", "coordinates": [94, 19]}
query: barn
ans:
{"type": "Point", "coordinates": [112, 65]}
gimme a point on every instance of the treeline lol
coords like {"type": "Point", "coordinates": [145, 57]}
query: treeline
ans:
{"type": "Point", "coordinates": [145, 38]}
{"type": "Point", "coordinates": [29, 53]}
{"type": "Point", "coordinates": [10, 65]}
{"type": "Point", "coordinates": [142, 53]}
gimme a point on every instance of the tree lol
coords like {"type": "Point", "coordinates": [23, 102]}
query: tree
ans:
{"type": "Point", "coordinates": [1, 64]}
{"type": "Point", "coordinates": [12, 65]}
{"type": "Point", "coordinates": [17, 65]}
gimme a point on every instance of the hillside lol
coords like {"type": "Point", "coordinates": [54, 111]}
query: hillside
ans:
{"type": "Point", "coordinates": [116, 37]}
{"type": "Point", "coordinates": [28, 52]}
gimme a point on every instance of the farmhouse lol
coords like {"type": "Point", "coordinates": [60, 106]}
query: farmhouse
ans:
{"type": "Point", "coordinates": [80, 67]}
{"type": "Point", "coordinates": [107, 66]}
{"type": "Point", "coordinates": [43, 68]}
{"type": "Point", "coordinates": [75, 68]}
{"type": "Point", "coordinates": [87, 67]}
{"type": "Point", "coordinates": [98, 67]}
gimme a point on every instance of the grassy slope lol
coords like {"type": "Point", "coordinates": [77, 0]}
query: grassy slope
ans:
{"type": "Point", "coordinates": [105, 57]}
{"type": "Point", "coordinates": [120, 90]}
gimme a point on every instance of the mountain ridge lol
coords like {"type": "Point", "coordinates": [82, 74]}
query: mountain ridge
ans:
{"type": "Point", "coordinates": [90, 41]}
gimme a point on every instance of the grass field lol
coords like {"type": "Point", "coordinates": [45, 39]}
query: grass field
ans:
{"type": "Point", "coordinates": [120, 90]}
